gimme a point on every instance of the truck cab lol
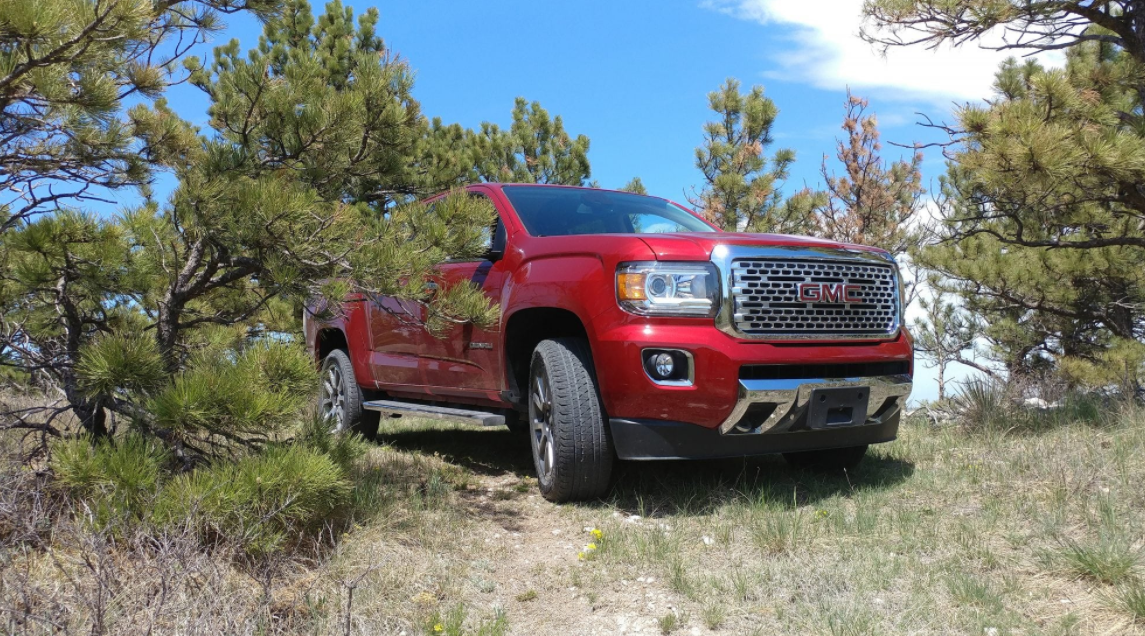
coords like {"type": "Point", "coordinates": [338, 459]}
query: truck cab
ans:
{"type": "Point", "coordinates": [630, 328]}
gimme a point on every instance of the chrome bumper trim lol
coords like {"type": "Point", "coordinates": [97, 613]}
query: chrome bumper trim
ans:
{"type": "Point", "coordinates": [791, 398]}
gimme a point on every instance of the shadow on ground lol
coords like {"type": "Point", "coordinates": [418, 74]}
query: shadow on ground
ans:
{"type": "Point", "coordinates": [665, 488]}
{"type": "Point", "coordinates": [485, 451]}
{"type": "Point", "coordinates": [656, 489]}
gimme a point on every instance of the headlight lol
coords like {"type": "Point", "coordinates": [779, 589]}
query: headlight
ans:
{"type": "Point", "coordinates": [653, 288]}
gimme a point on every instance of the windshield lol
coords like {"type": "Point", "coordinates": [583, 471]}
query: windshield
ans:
{"type": "Point", "coordinates": [547, 211]}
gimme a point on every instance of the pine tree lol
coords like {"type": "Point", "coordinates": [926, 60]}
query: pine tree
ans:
{"type": "Point", "coordinates": [741, 185]}
{"type": "Point", "coordinates": [1043, 218]}
{"type": "Point", "coordinates": [944, 336]}
{"type": "Point", "coordinates": [535, 149]}
{"type": "Point", "coordinates": [302, 190]}
{"type": "Point", "coordinates": [635, 186]}
{"type": "Point", "coordinates": [67, 69]}
{"type": "Point", "coordinates": [871, 203]}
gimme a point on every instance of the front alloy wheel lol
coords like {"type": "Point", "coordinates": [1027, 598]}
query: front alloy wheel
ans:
{"type": "Point", "coordinates": [541, 424]}
{"type": "Point", "coordinates": [572, 449]}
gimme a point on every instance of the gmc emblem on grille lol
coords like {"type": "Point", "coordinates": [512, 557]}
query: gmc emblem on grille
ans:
{"type": "Point", "coordinates": [829, 293]}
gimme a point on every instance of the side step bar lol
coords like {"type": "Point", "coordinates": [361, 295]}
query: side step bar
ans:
{"type": "Point", "coordinates": [428, 411]}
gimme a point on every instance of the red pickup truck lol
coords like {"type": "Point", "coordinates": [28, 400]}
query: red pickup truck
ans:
{"type": "Point", "coordinates": [632, 329]}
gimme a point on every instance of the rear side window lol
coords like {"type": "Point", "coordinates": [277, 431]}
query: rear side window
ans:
{"type": "Point", "coordinates": [548, 211]}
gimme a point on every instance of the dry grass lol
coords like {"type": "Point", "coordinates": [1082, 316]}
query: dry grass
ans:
{"type": "Point", "coordinates": [940, 532]}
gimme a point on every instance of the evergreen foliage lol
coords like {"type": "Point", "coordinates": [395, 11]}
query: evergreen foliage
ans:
{"type": "Point", "coordinates": [873, 202]}
{"type": "Point", "coordinates": [305, 188]}
{"type": "Point", "coordinates": [741, 184]}
{"type": "Point", "coordinates": [945, 336]}
{"type": "Point", "coordinates": [67, 70]}
{"type": "Point", "coordinates": [1043, 211]}
{"type": "Point", "coordinates": [118, 481]}
{"type": "Point", "coordinates": [535, 149]}
{"type": "Point", "coordinates": [635, 186]}
{"type": "Point", "coordinates": [260, 502]}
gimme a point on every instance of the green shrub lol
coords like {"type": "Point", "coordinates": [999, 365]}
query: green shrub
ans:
{"type": "Point", "coordinates": [243, 399]}
{"type": "Point", "coordinates": [258, 502]}
{"type": "Point", "coordinates": [1108, 560]}
{"type": "Point", "coordinates": [116, 478]}
{"type": "Point", "coordinates": [121, 363]}
{"type": "Point", "coordinates": [343, 449]}
{"type": "Point", "coordinates": [986, 405]}
{"type": "Point", "coordinates": [1130, 597]}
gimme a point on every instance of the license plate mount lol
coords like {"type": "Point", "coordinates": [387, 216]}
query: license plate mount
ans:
{"type": "Point", "coordinates": [838, 406]}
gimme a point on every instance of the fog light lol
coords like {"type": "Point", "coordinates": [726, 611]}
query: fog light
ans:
{"type": "Point", "coordinates": [663, 364]}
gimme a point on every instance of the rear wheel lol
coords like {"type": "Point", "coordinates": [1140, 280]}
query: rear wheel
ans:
{"type": "Point", "coordinates": [828, 460]}
{"type": "Point", "coordinates": [340, 398]}
{"type": "Point", "coordinates": [572, 450]}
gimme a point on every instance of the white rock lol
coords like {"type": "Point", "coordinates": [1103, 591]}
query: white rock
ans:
{"type": "Point", "coordinates": [708, 540]}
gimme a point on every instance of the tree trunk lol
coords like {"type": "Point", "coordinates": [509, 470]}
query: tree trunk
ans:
{"type": "Point", "coordinates": [167, 332]}
{"type": "Point", "coordinates": [92, 417]}
{"type": "Point", "coordinates": [942, 380]}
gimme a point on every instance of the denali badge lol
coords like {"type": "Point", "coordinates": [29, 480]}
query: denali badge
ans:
{"type": "Point", "coordinates": [829, 293]}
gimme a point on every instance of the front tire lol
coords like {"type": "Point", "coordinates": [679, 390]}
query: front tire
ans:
{"type": "Point", "coordinates": [340, 398]}
{"type": "Point", "coordinates": [572, 449]}
{"type": "Point", "coordinates": [834, 459]}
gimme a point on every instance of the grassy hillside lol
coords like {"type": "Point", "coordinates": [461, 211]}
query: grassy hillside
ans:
{"type": "Point", "coordinates": [1030, 530]}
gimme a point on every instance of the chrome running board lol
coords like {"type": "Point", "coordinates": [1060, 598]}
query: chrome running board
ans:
{"type": "Point", "coordinates": [429, 411]}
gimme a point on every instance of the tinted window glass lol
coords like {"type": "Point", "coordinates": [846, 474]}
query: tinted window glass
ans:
{"type": "Point", "coordinates": [572, 211]}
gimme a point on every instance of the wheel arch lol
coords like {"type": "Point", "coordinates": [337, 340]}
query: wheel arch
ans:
{"type": "Point", "coordinates": [524, 330]}
{"type": "Point", "coordinates": [328, 339]}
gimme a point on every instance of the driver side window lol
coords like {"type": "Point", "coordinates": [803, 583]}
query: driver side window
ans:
{"type": "Point", "coordinates": [493, 236]}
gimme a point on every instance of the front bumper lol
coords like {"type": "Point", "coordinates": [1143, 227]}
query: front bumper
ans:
{"type": "Point", "coordinates": [786, 402]}
{"type": "Point", "coordinates": [719, 398]}
{"type": "Point", "coordinates": [636, 439]}
{"type": "Point", "coordinates": [788, 431]}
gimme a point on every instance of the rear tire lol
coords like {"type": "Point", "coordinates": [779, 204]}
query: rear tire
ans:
{"type": "Point", "coordinates": [834, 459]}
{"type": "Point", "coordinates": [340, 398]}
{"type": "Point", "coordinates": [572, 448]}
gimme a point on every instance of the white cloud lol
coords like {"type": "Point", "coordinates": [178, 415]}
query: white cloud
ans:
{"type": "Point", "coordinates": [828, 53]}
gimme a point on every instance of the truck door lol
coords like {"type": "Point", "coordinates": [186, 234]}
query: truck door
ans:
{"type": "Point", "coordinates": [396, 329]}
{"type": "Point", "coordinates": [466, 360]}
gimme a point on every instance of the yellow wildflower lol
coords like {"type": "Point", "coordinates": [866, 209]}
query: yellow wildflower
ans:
{"type": "Point", "coordinates": [439, 627]}
{"type": "Point", "coordinates": [597, 534]}
{"type": "Point", "coordinates": [591, 546]}
{"type": "Point", "coordinates": [581, 556]}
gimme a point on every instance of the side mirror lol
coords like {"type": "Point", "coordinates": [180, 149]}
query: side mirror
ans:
{"type": "Point", "coordinates": [497, 247]}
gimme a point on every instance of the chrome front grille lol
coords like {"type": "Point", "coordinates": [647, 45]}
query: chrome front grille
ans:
{"type": "Point", "coordinates": [773, 297]}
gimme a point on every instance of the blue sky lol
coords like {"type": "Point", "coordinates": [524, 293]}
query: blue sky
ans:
{"type": "Point", "coordinates": [633, 76]}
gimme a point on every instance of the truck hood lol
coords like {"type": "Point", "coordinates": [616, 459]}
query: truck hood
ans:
{"type": "Point", "coordinates": [699, 245]}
